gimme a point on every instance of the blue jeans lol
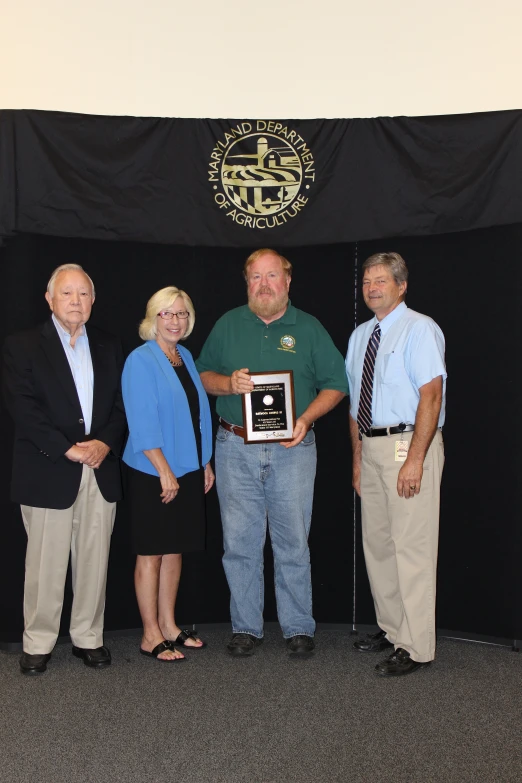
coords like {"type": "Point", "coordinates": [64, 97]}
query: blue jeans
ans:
{"type": "Point", "coordinates": [256, 482]}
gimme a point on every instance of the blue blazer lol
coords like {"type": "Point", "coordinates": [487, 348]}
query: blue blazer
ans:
{"type": "Point", "coordinates": [158, 412]}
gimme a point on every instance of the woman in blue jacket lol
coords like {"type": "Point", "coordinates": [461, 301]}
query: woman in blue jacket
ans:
{"type": "Point", "coordinates": [168, 454]}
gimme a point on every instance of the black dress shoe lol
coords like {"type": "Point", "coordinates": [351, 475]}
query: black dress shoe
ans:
{"type": "Point", "coordinates": [399, 663]}
{"type": "Point", "coordinates": [243, 644]}
{"type": "Point", "coordinates": [97, 658]}
{"type": "Point", "coordinates": [33, 664]}
{"type": "Point", "coordinates": [300, 646]}
{"type": "Point", "coordinates": [375, 642]}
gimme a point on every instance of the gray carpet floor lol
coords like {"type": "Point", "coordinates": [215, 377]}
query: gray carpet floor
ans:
{"type": "Point", "coordinates": [266, 719]}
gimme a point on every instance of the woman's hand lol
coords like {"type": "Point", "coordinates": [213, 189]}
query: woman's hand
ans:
{"type": "Point", "coordinates": [169, 485]}
{"type": "Point", "coordinates": [209, 477]}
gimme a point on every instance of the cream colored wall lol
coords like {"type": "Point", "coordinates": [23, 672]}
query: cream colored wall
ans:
{"type": "Point", "coordinates": [313, 58]}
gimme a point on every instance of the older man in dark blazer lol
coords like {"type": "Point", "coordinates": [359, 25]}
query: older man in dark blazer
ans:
{"type": "Point", "coordinates": [62, 388]}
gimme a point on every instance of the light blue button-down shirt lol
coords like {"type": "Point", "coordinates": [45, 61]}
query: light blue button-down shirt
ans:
{"type": "Point", "coordinates": [411, 354]}
{"type": "Point", "coordinates": [80, 362]}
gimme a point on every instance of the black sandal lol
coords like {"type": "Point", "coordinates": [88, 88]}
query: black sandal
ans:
{"type": "Point", "coordinates": [182, 638]}
{"type": "Point", "coordinates": [159, 648]}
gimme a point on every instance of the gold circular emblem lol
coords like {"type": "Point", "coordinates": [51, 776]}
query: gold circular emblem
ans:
{"type": "Point", "coordinates": [262, 171]}
{"type": "Point", "coordinates": [261, 174]}
{"type": "Point", "coordinates": [288, 341]}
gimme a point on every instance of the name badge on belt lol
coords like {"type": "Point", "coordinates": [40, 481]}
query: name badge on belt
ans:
{"type": "Point", "coordinates": [401, 450]}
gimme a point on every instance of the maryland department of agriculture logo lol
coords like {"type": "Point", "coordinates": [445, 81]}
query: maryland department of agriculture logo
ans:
{"type": "Point", "coordinates": [288, 341]}
{"type": "Point", "coordinates": [262, 172]}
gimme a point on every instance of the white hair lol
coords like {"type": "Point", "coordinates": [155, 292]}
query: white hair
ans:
{"type": "Point", "coordinates": [68, 268]}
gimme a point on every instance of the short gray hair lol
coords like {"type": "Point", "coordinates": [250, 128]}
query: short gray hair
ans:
{"type": "Point", "coordinates": [392, 261]}
{"type": "Point", "coordinates": [162, 300]}
{"type": "Point", "coordinates": [68, 268]}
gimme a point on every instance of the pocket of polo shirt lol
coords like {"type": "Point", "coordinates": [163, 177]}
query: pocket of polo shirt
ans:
{"type": "Point", "coordinates": [392, 368]}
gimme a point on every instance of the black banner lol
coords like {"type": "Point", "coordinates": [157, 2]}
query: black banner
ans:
{"type": "Point", "coordinates": [250, 183]}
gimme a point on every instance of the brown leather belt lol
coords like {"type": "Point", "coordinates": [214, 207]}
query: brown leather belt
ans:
{"type": "Point", "coordinates": [235, 429]}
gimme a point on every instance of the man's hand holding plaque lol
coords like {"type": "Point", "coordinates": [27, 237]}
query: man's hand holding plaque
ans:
{"type": "Point", "coordinates": [240, 382]}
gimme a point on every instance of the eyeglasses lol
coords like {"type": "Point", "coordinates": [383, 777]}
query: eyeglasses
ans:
{"type": "Point", "coordinates": [168, 316]}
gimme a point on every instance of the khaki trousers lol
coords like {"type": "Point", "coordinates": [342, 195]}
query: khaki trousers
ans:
{"type": "Point", "coordinates": [400, 540]}
{"type": "Point", "coordinates": [83, 530]}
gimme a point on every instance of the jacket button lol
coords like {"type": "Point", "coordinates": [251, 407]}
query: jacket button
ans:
{"type": "Point", "coordinates": [81, 421]}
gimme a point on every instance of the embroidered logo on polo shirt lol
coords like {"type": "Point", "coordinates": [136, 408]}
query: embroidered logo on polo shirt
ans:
{"type": "Point", "coordinates": [287, 343]}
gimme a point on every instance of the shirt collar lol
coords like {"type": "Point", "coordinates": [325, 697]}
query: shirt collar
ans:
{"type": "Point", "coordinates": [288, 317]}
{"type": "Point", "coordinates": [63, 333]}
{"type": "Point", "coordinates": [390, 319]}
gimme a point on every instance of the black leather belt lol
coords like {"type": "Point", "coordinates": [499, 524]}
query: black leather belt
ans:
{"type": "Point", "coordinates": [378, 432]}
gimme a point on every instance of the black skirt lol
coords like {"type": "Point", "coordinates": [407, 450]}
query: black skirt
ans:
{"type": "Point", "coordinates": [167, 528]}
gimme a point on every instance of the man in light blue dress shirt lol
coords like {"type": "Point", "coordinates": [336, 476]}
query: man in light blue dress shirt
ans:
{"type": "Point", "coordinates": [398, 457]}
{"type": "Point", "coordinates": [79, 358]}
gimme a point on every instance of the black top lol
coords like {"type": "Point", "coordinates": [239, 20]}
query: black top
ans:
{"type": "Point", "coordinates": [193, 400]}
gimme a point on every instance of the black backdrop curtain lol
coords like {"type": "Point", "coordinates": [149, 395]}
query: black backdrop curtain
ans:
{"type": "Point", "coordinates": [234, 183]}
{"type": "Point", "coordinates": [187, 200]}
{"type": "Point", "coordinates": [453, 279]}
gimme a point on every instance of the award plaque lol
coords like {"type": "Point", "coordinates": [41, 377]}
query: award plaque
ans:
{"type": "Point", "coordinates": [269, 409]}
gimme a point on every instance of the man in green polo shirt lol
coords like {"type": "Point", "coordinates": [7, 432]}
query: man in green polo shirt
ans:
{"type": "Point", "coordinates": [274, 481]}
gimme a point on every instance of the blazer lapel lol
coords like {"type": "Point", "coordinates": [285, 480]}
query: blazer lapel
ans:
{"type": "Point", "coordinates": [96, 349]}
{"type": "Point", "coordinates": [164, 363]}
{"type": "Point", "coordinates": [53, 349]}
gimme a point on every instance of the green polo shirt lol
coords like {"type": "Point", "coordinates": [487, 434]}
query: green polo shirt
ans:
{"type": "Point", "coordinates": [296, 341]}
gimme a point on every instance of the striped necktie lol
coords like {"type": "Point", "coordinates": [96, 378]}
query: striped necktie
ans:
{"type": "Point", "coordinates": [364, 414]}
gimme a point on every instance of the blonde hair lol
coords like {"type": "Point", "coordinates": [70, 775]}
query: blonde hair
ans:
{"type": "Point", "coordinates": [68, 268]}
{"type": "Point", "coordinates": [162, 300]}
{"type": "Point", "coordinates": [285, 263]}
